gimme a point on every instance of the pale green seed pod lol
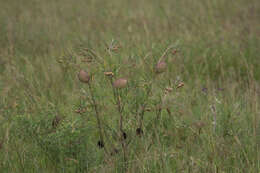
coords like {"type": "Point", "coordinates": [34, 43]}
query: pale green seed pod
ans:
{"type": "Point", "coordinates": [120, 83]}
{"type": "Point", "coordinates": [84, 76]}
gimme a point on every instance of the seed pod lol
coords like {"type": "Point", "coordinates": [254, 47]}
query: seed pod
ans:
{"type": "Point", "coordinates": [139, 131]}
{"type": "Point", "coordinates": [120, 83]}
{"type": "Point", "coordinates": [148, 109]}
{"type": "Point", "coordinates": [124, 135]}
{"type": "Point", "coordinates": [160, 67]}
{"type": "Point", "coordinates": [100, 144]}
{"type": "Point", "coordinates": [56, 121]}
{"type": "Point", "coordinates": [84, 76]}
{"type": "Point", "coordinates": [180, 85]}
{"type": "Point", "coordinates": [168, 90]}
{"type": "Point", "coordinates": [174, 52]}
{"type": "Point", "coordinates": [109, 74]}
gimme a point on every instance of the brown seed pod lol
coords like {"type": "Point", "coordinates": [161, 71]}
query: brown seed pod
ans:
{"type": "Point", "coordinates": [180, 85]}
{"type": "Point", "coordinates": [100, 144]}
{"type": "Point", "coordinates": [174, 52]}
{"type": "Point", "coordinates": [81, 110]}
{"type": "Point", "coordinates": [139, 131]}
{"type": "Point", "coordinates": [148, 109]}
{"type": "Point", "coordinates": [120, 83]}
{"type": "Point", "coordinates": [124, 135]}
{"type": "Point", "coordinates": [160, 67]}
{"type": "Point", "coordinates": [84, 76]}
{"type": "Point", "coordinates": [109, 74]}
{"type": "Point", "coordinates": [168, 90]}
{"type": "Point", "coordinates": [56, 121]}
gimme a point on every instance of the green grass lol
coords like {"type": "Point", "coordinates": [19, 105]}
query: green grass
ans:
{"type": "Point", "coordinates": [44, 44]}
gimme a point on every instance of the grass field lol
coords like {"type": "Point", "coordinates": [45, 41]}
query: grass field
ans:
{"type": "Point", "coordinates": [188, 101]}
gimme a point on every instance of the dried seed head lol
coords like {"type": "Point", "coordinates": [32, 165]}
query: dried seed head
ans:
{"type": "Point", "coordinates": [81, 110]}
{"type": "Point", "coordinates": [124, 135]}
{"type": "Point", "coordinates": [120, 83]}
{"type": "Point", "coordinates": [168, 90]}
{"type": "Point", "coordinates": [84, 76]}
{"type": "Point", "coordinates": [109, 74]}
{"type": "Point", "coordinates": [180, 85]}
{"type": "Point", "coordinates": [56, 121]}
{"type": "Point", "coordinates": [160, 67]}
{"type": "Point", "coordinates": [174, 52]}
{"type": "Point", "coordinates": [100, 144]}
{"type": "Point", "coordinates": [148, 109]}
{"type": "Point", "coordinates": [139, 131]}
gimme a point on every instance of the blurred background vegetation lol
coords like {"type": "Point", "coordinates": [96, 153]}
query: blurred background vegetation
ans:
{"type": "Point", "coordinates": [42, 45]}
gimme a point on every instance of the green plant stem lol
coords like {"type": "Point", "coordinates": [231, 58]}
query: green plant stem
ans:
{"type": "Point", "coordinates": [97, 116]}
{"type": "Point", "coordinates": [143, 108]}
{"type": "Point", "coordinates": [120, 110]}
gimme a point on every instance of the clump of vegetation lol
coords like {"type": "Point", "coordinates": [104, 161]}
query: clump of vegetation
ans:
{"type": "Point", "coordinates": [102, 86]}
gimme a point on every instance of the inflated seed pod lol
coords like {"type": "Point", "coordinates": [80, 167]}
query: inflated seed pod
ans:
{"type": "Point", "coordinates": [120, 83]}
{"type": "Point", "coordinates": [84, 76]}
{"type": "Point", "coordinates": [160, 67]}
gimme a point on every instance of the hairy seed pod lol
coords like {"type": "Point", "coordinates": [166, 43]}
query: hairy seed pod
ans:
{"type": "Point", "coordinates": [168, 89]}
{"type": "Point", "coordinates": [160, 67]}
{"type": "Point", "coordinates": [83, 76]}
{"type": "Point", "coordinates": [109, 74]}
{"type": "Point", "coordinates": [120, 83]}
{"type": "Point", "coordinates": [180, 85]}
